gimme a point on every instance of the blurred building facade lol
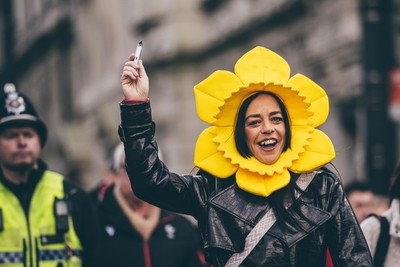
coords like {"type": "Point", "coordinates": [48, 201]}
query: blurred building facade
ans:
{"type": "Point", "coordinates": [67, 55]}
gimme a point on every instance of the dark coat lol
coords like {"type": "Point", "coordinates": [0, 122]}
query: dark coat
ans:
{"type": "Point", "coordinates": [173, 243]}
{"type": "Point", "coordinates": [227, 215]}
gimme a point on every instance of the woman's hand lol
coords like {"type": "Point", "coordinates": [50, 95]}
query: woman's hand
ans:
{"type": "Point", "coordinates": [134, 81]}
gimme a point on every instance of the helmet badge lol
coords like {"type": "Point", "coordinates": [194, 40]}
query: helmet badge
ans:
{"type": "Point", "coordinates": [14, 102]}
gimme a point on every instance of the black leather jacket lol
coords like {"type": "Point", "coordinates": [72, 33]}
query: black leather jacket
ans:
{"type": "Point", "coordinates": [226, 214]}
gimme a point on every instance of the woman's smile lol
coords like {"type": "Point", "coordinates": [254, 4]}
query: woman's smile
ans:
{"type": "Point", "coordinates": [268, 144]}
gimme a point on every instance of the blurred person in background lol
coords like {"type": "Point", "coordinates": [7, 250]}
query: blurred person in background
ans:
{"type": "Point", "coordinates": [361, 198]}
{"type": "Point", "coordinates": [364, 202]}
{"type": "Point", "coordinates": [44, 219]}
{"type": "Point", "coordinates": [107, 179]}
{"type": "Point", "coordinates": [136, 233]}
{"type": "Point", "coordinates": [383, 231]}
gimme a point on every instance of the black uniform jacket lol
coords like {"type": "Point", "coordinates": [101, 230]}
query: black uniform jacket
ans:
{"type": "Point", "coordinates": [226, 215]}
{"type": "Point", "coordinates": [173, 243]}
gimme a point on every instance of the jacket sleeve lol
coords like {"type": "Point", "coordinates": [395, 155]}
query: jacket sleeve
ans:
{"type": "Point", "coordinates": [346, 241]}
{"type": "Point", "coordinates": [150, 178]}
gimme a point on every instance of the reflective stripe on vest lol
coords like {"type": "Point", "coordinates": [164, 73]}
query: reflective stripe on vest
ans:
{"type": "Point", "coordinates": [11, 257]}
{"type": "Point", "coordinates": [58, 255]}
{"type": "Point", "coordinates": [18, 233]}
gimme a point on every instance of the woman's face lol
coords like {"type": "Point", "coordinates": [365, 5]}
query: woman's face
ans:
{"type": "Point", "coordinates": [265, 129]}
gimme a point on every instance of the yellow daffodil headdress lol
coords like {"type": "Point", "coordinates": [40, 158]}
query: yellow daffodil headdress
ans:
{"type": "Point", "coordinates": [218, 99]}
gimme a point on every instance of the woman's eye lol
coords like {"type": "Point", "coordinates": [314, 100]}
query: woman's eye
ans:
{"type": "Point", "coordinates": [277, 119]}
{"type": "Point", "coordinates": [253, 123]}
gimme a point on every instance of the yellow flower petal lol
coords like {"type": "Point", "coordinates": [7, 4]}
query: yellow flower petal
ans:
{"type": "Point", "coordinates": [319, 152]}
{"type": "Point", "coordinates": [208, 158]}
{"type": "Point", "coordinates": [314, 95]}
{"type": "Point", "coordinates": [301, 136]}
{"type": "Point", "coordinates": [211, 93]}
{"type": "Point", "coordinates": [261, 185]}
{"type": "Point", "coordinates": [261, 65]}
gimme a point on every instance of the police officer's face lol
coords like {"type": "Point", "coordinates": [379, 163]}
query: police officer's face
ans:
{"type": "Point", "coordinates": [19, 148]}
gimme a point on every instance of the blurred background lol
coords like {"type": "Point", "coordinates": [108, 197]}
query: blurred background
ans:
{"type": "Point", "coordinates": [66, 55]}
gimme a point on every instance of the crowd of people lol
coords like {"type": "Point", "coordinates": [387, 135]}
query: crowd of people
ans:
{"type": "Point", "coordinates": [264, 193]}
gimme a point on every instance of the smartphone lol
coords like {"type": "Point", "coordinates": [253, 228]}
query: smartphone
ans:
{"type": "Point", "coordinates": [138, 52]}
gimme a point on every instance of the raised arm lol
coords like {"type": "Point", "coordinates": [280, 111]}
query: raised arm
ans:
{"type": "Point", "coordinates": [150, 178]}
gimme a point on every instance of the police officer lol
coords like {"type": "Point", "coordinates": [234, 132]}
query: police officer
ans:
{"type": "Point", "coordinates": [44, 220]}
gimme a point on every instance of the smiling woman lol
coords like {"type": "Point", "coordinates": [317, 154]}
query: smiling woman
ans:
{"type": "Point", "coordinates": [263, 196]}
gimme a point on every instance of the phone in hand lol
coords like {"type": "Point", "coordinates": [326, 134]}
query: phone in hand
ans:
{"type": "Point", "coordinates": [138, 52]}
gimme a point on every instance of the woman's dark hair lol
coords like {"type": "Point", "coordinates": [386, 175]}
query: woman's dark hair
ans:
{"type": "Point", "coordinates": [240, 136]}
{"type": "Point", "coordinates": [288, 220]}
{"type": "Point", "coordinates": [394, 189]}
{"type": "Point", "coordinates": [277, 201]}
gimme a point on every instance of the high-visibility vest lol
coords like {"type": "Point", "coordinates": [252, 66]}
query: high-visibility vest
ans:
{"type": "Point", "coordinates": [33, 241]}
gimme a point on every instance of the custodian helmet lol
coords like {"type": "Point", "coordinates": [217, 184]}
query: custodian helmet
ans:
{"type": "Point", "coordinates": [17, 110]}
